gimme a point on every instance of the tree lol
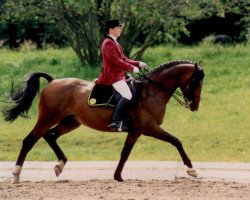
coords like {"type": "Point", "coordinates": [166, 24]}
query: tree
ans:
{"type": "Point", "coordinates": [23, 19]}
{"type": "Point", "coordinates": [146, 22]}
{"type": "Point", "coordinates": [222, 18]}
{"type": "Point", "coordinates": [80, 25]}
{"type": "Point", "coordinates": [152, 19]}
{"type": "Point", "coordinates": [82, 22]}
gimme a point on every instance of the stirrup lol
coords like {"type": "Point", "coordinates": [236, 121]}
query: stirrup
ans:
{"type": "Point", "coordinates": [118, 126]}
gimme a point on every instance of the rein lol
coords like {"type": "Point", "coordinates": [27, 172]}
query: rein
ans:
{"type": "Point", "coordinates": [175, 94]}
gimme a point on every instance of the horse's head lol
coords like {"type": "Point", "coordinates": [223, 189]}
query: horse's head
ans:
{"type": "Point", "coordinates": [191, 88]}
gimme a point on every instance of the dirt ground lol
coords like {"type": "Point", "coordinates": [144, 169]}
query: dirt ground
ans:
{"type": "Point", "coordinates": [181, 188]}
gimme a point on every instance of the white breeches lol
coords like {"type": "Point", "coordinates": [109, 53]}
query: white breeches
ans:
{"type": "Point", "coordinates": [122, 88]}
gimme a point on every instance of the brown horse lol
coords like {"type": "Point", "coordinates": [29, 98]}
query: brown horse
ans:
{"type": "Point", "coordinates": [63, 107]}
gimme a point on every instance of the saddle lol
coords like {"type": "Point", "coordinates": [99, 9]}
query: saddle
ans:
{"type": "Point", "coordinates": [102, 95]}
{"type": "Point", "coordinates": [105, 95]}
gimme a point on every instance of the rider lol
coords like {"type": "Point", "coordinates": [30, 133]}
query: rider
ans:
{"type": "Point", "coordinates": [114, 66]}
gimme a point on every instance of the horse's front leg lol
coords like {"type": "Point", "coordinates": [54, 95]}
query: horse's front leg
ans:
{"type": "Point", "coordinates": [158, 133]}
{"type": "Point", "coordinates": [128, 146]}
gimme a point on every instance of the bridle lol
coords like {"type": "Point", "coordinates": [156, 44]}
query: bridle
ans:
{"type": "Point", "coordinates": [185, 101]}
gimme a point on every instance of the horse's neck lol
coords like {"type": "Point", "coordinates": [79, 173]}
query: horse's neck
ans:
{"type": "Point", "coordinates": [154, 100]}
{"type": "Point", "coordinates": [166, 80]}
{"type": "Point", "coordinates": [171, 77]}
{"type": "Point", "coordinates": [156, 96]}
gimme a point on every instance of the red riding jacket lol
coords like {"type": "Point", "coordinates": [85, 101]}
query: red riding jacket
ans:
{"type": "Point", "coordinates": [115, 63]}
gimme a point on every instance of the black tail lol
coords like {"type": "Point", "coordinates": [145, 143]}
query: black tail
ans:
{"type": "Point", "coordinates": [23, 97]}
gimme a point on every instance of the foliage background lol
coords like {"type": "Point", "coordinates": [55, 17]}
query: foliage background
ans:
{"type": "Point", "coordinates": [146, 23]}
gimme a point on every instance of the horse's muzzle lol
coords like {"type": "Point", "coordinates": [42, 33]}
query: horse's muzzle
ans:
{"type": "Point", "coordinates": [194, 106]}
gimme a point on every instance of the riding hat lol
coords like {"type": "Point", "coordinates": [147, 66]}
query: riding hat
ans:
{"type": "Point", "coordinates": [112, 23]}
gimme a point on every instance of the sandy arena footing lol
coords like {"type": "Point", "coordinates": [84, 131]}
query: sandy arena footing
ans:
{"type": "Point", "coordinates": [139, 170]}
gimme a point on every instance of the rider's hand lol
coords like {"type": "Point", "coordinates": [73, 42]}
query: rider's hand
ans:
{"type": "Point", "coordinates": [136, 70]}
{"type": "Point", "coordinates": [143, 65]}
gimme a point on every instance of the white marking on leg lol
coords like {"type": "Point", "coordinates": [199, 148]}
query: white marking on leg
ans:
{"type": "Point", "coordinates": [16, 173]}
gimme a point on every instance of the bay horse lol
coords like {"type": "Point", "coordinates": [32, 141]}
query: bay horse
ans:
{"type": "Point", "coordinates": [63, 107]}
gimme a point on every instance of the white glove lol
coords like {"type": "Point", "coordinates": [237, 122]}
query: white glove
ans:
{"type": "Point", "coordinates": [136, 70]}
{"type": "Point", "coordinates": [143, 65]}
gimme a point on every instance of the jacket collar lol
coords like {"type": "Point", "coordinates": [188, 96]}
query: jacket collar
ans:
{"type": "Point", "coordinates": [113, 37]}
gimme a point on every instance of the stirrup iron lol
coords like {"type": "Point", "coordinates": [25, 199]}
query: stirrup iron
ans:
{"type": "Point", "coordinates": [120, 127]}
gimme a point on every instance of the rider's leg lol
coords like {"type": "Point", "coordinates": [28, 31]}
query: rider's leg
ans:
{"type": "Point", "coordinates": [122, 88]}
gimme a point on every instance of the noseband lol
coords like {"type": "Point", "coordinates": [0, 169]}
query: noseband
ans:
{"type": "Point", "coordinates": [195, 78]}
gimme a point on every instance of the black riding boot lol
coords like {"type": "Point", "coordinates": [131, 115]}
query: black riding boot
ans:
{"type": "Point", "coordinates": [116, 123]}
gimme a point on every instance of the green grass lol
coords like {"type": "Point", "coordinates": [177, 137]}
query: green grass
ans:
{"type": "Point", "coordinates": [219, 131]}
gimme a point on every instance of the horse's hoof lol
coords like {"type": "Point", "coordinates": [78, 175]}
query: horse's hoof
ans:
{"type": "Point", "coordinates": [16, 179]}
{"type": "Point", "coordinates": [192, 172]}
{"type": "Point", "coordinates": [58, 170]}
{"type": "Point", "coordinates": [118, 178]}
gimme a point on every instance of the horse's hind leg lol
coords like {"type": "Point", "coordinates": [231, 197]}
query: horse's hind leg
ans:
{"type": "Point", "coordinates": [128, 146]}
{"type": "Point", "coordinates": [66, 125]}
{"type": "Point", "coordinates": [27, 145]}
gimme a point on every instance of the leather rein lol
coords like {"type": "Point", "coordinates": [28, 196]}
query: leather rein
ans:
{"type": "Point", "coordinates": [175, 94]}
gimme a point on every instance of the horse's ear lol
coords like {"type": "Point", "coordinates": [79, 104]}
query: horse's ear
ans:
{"type": "Point", "coordinates": [198, 65]}
{"type": "Point", "coordinates": [199, 68]}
